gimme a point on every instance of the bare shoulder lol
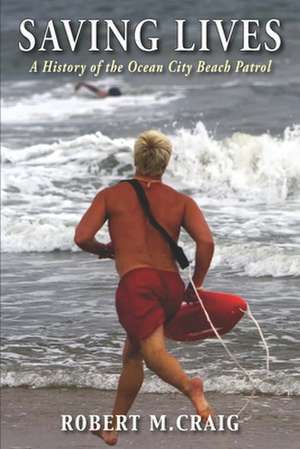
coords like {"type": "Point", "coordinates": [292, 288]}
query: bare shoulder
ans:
{"type": "Point", "coordinates": [186, 200]}
{"type": "Point", "coordinates": [189, 201]}
{"type": "Point", "coordinates": [108, 191]}
{"type": "Point", "coordinates": [101, 194]}
{"type": "Point", "coordinates": [115, 193]}
{"type": "Point", "coordinates": [175, 193]}
{"type": "Point", "coordinates": [191, 208]}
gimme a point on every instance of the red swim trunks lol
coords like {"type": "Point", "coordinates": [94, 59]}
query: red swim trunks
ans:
{"type": "Point", "coordinates": [146, 298]}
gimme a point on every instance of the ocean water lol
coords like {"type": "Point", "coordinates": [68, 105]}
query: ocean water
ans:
{"type": "Point", "coordinates": [236, 151]}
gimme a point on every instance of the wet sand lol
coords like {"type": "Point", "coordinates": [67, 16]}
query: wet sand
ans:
{"type": "Point", "coordinates": [31, 419]}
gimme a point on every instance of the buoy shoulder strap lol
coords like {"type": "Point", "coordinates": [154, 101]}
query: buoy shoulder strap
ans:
{"type": "Point", "coordinates": [177, 251]}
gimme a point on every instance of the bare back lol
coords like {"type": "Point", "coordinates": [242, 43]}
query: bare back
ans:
{"type": "Point", "coordinates": [136, 243]}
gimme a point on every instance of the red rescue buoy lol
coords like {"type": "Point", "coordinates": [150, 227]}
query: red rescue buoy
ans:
{"type": "Point", "coordinates": [190, 323]}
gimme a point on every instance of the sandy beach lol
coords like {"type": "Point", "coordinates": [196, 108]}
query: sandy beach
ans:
{"type": "Point", "coordinates": [31, 419]}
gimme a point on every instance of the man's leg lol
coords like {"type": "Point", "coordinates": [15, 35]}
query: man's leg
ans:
{"type": "Point", "coordinates": [130, 382]}
{"type": "Point", "coordinates": [131, 379]}
{"type": "Point", "coordinates": [159, 360]}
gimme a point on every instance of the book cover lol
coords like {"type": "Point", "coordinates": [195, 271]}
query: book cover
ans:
{"type": "Point", "coordinates": [217, 83]}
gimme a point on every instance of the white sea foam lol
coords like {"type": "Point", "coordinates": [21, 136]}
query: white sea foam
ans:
{"type": "Point", "coordinates": [61, 103]}
{"type": "Point", "coordinates": [262, 167]}
{"type": "Point", "coordinates": [256, 260]}
{"type": "Point", "coordinates": [276, 383]}
{"type": "Point", "coordinates": [50, 233]}
{"type": "Point", "coordinates": [248, 186]}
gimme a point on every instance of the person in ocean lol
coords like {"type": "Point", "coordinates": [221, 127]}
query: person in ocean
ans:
{"type": "Point", "coordinates": [101, 93]}
{"type": "Point", "coordinates": [150, 290]}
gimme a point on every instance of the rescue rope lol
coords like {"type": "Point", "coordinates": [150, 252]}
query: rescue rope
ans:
{"type": "Point", "coordinates": [230, 354]}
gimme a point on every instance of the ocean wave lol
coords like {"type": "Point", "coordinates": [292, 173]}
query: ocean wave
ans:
{"type": "Point", "coordinates": [46, 188]}
{"type": "Point", "coordinates": [61, 103]}
{"type": "Point", "coordinates": [56, 234]}
{"type": "Point", "coordinates": [263, 167]}
{"type": "Point", "coordinates": [244, 166]}
{"type": "Point", "coordinates": [276, 383]}
{"type": "Point", "coordinates": [27, 235]}
{"type": "Point", "coordinates": [256, 260]}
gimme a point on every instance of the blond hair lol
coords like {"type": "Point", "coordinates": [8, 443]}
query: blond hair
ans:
{"type": "Point", "coordinates": [152, 152]}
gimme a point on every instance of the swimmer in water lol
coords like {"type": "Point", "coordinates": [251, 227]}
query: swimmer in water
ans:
{"type": "Point", "coordinates": [101, 93]}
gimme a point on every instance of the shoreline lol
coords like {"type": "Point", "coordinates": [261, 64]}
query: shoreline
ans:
{"type": "Point", "coordinates": [31, 418]}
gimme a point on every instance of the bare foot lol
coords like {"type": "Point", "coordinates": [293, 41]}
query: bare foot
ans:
{"type": "Point", "coordinates": [198, 399]}
{"type": "Point", "coordinates": [110, 437]}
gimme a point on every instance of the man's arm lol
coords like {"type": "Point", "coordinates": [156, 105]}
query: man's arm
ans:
{"type": "Point", "coordinates": [99, 92]}
{"type": "Point", "coordinates": [194, 223]}
{"type": "Point", "coordinates": [89, 225]}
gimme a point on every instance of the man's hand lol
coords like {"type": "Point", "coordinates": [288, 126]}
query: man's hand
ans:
{"type": "Point", "coordinates": [196, 226]}
{"type": "Point", "coordinates": [106, 252]}
{"type": "Point", "coordinates": [190, 295]}
{"type": "Point", "coordinates": [93, 219]}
